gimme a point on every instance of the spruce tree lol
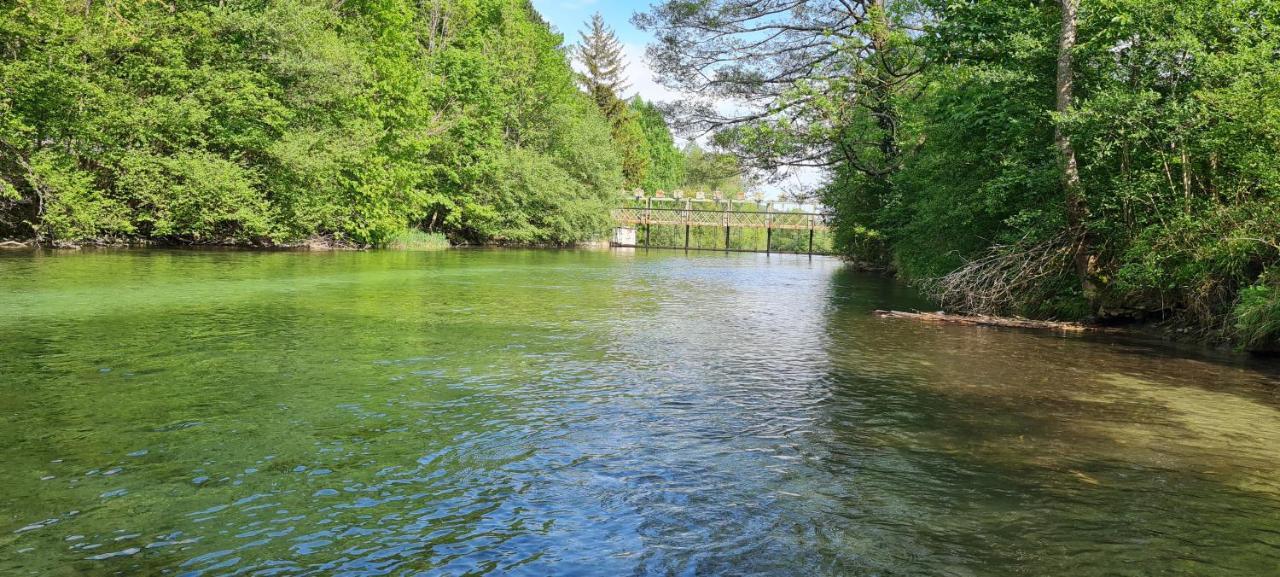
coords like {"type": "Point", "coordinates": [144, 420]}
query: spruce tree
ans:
{"type": "Point", "coordinates": [605, 67]}
{"type": "Point", "coordinates": [604, 78]}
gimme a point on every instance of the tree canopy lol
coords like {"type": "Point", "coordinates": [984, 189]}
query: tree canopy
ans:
{"type": "Point", "coordinates": [1066, 158]}
{"type": "Point", "coordinates": [270, 122]}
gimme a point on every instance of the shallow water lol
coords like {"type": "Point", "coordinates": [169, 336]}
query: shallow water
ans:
{"type": "Point", "coordinates": [540, 412]}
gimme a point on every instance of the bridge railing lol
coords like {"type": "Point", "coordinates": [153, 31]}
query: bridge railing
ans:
{"type": "Point", "coordinates": [767, 220]}
{"type": "Point", "coordinates": [725, 218]}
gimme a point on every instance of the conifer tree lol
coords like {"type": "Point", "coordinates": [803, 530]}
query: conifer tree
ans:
{"type": "Point", "coordinates": [604, 78]}
{"type": "Point", "coordinates": [605, 67]}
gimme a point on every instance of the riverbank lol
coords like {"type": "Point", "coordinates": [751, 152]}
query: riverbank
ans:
{"type": "Point", "coordinates": [1170, 330]}
{"type": "Point", "coordinates": [412, 240]}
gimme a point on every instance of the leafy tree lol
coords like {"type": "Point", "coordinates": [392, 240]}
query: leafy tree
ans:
{"type": "Point", "coordinates": [1160, 238]}
{"type": "Point", "coordinates": [264, 123]}
{"type": "Point", "coordinates": [712, 171]}
{"type": "Point", "coordinates": [816, 83]}
{"type": "Point", "coordinates": [1065, 158]}
{"type": "Point", "coordinates": [666, 162]}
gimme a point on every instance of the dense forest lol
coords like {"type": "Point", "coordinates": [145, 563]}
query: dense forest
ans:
{"type": "Point", "coordinates": [273, 122]}
{"type": "Point", "coordinates": [1108, 159]}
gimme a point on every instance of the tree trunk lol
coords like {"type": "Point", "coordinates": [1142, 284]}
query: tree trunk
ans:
{"type": "Point", "coordinates": [1077, 205]}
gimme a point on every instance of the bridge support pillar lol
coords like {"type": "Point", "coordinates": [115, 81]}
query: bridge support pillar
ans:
{"type": "Point", "coordinates": [686, 236]}
{"type": "Point", "coordinates": [768, 240]}
{"type": "Point", "coordinates": [726, 238]}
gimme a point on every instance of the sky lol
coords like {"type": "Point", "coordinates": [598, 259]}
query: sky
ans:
{"type": "Point", "coordinates": [571, 16]}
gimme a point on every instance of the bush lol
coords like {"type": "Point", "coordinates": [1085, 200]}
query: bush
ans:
{"type": "Point", "coordinates": [1257, 316]}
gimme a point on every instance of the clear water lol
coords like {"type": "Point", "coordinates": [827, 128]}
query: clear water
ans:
{"type": "Point", "coordinates": [597, 413]}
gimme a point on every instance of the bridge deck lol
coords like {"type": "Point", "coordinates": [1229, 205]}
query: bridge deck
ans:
{"type": "Point", "coordinates": [726, 218]}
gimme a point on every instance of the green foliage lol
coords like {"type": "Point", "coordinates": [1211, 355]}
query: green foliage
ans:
{"type": "Point", "coordinates": [666, 162]}
{"type": "Point", "coordinates": [413, 239]}
{"type": "Point", "coordinates": [630, 139]}
{"type": "Point", "coordinates": [1257, 316]}
{"type": "Point", "coordinates": [712, 171]}
{"type": "Point", "coordinates": [542, 203]}
{"type": "Point", "coordinates": [263, 123]}
{"type": "Point", "coordinates": [601, 56]}
{"type": "Point", "coordinates": [1176, 125]}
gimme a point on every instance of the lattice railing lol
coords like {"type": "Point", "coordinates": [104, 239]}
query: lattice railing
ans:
{"type": "Point", "coordinates": [730, 218]}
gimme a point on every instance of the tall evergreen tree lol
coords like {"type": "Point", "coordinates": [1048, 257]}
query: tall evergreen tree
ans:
{"type": "Point", "coordinates": [604, 78]}
{"type": "Point", "coordinates": [605, 67]}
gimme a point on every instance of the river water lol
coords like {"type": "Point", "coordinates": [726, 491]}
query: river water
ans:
{"type": "Point", "coordinates": [597, 413]}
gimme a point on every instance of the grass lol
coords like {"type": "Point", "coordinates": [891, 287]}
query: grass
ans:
{"type": "Point", "coordinates": [1258, 316]}
{"type": "Point", "coordinates": [413, 239]}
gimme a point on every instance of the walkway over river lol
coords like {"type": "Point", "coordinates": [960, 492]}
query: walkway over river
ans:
{"type": "Point", "coordinates": [645, 217]}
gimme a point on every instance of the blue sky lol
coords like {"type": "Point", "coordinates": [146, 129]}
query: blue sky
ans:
{"type": "Point", "coordinates": [570, 16]}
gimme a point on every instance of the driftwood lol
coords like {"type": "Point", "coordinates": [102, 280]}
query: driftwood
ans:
{"type": "Point", "coordinates": [988, 321]}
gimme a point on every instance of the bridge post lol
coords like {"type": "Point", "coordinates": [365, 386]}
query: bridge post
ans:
{"type": "Point", "coordinates": [727, 205]}
{"type": "Point", "coordinates": [768, 223]}
{"type": "Point", "coordinates": [810, 236]}
{"type": "Point", "coordinates": [688, 207]}
{"type": "Point", "coordinates": [648, 215]}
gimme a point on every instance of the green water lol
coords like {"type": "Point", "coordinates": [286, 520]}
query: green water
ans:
{"type": "Point", "coordinates": [597, 413]}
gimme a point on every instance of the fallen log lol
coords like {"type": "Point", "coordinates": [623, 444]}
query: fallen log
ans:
{"type": "Point", "coordinates": [988, 321]}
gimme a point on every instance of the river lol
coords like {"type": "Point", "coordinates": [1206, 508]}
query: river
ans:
{"type": "Point", "coordinates": [475, 412]}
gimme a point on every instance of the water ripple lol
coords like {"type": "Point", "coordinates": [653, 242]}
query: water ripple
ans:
{"type": "Point", "coordinates": [534, 413]}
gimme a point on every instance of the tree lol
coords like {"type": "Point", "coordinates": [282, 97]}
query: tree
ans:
{"type": "Point", "coordinates": [601, 57]}
{"type": "Point", "coordinates": [815, 83]}
{"type": "Point", "coordinates": [272, 122]}
{"type": "Point", "coordinates": [712, 171]}
{"type": "Point", "coordinates": [666, 162]}
{"type": "Point", "coordinates": [600, 54]}
{"type": "Point", "coordinates": [1077, 206]}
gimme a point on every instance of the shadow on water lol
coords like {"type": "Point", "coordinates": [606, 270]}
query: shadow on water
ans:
{"type": "Point", "coordinates": [1002, 452]}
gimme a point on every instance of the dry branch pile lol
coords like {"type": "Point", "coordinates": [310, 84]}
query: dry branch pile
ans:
{"type": "Point", "coordinates": [1005, 278]}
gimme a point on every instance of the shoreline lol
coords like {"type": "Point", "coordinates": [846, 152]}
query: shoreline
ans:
{"type": "Point", "coordinates": [1165, 331]}
{"type": "Point", "coordinates": [310, 245]}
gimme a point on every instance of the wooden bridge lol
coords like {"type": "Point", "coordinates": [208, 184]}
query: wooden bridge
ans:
{"type": "Point", "coordinates": [643, 217]}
